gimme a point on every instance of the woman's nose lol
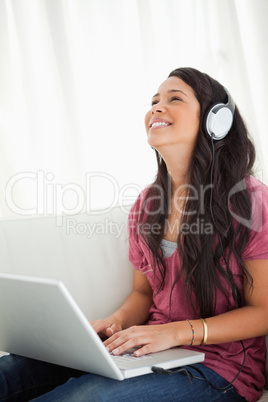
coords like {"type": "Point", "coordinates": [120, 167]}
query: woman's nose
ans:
{"type": "Point", "coordinates": [158, 108]}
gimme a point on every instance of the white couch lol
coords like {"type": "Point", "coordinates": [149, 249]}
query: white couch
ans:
{"type": "Point", "coordinates": [88, 252]}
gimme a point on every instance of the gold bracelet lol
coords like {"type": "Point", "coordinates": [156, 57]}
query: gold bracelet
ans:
{"type": "Point", "coordinates": [205, 326]}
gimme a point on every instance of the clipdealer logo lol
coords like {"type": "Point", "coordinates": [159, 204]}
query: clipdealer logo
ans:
{"type": "Point", "coordinates": [52, 198]}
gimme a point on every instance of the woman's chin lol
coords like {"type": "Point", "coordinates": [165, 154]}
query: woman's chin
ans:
{"type": "Point", "coordinates": [155, 142]}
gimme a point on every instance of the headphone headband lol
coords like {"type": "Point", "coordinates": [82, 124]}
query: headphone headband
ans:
{"type": "Point", "coordinates": [220, 118]}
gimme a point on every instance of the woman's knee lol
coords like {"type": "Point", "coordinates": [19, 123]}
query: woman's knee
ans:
{"type": "Point", "coordinates": [26, 378]}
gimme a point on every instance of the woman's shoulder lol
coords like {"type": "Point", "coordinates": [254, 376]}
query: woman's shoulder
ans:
{"type": "Point", "coordinates": [259, 196]}
{"type": "Point", "coordinates": [139, 202]}
{"type": "Point", "coordinates": [254, 184]}
{"type": "Point", "coordinates": [135, 212]}
{"type": "Point", "coordinates": [258, 222]}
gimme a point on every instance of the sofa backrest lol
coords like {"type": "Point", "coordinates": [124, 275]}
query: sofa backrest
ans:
{"type": "Point", "coordinates": [88, 252]}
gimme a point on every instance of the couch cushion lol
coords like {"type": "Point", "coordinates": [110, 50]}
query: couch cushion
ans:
{"type": "Point", "coordinates": [264, 396]}
{"type": "Point", "coordinates": [88, 252]}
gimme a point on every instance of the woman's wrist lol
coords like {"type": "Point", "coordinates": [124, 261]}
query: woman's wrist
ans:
{"type": "Point", "coordinates": [189, 332]}
{"type": "Point", "coordinates": [118, 318]}
{"type": "Point", "coordinates": [195, 333]}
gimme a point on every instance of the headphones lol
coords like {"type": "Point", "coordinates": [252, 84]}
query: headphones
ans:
{"type": "Point", "coordinates": [220, 118]}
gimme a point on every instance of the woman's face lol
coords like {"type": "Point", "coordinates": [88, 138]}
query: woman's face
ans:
{"type": "Point", "coordinates": [174, 116]}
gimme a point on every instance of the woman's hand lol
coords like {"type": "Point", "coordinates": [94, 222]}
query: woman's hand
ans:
{"type": "Point", "coordinates": [107, 327]}
{"type": "Point", "coordinates": [134, 310]}
{"type": "Point", "coordinates": [151, 338]}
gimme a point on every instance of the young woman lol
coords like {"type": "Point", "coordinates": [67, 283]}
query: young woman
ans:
{"type": "Point", "coordinates": [199, 246]}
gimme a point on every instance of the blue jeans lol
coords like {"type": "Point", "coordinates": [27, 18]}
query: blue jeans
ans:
{"type": "Point", "coordinates": [23, 379]}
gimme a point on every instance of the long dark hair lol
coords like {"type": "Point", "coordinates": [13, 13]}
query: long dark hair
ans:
{"type": "Point", "coordinates": [205, 254]}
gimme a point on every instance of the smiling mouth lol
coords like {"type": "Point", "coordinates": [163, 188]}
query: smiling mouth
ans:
{"type": "Point", "coordinates": [158, 124]}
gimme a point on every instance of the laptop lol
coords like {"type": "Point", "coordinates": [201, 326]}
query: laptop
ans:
{"type": "Point", "coordinates": [40, 319]}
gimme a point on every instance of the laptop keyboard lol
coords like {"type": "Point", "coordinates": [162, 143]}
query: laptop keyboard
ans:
{"type": "Point", "coordinates": [127, 357]}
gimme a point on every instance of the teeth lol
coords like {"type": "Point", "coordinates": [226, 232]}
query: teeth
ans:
{"type": "Point", "coordinates": [159, 123]}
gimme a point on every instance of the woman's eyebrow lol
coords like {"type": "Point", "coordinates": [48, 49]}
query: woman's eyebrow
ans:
{"type": "Point", "coordinates": [171, 91]}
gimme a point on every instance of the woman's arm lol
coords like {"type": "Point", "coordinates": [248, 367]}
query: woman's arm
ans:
{"type": "Point", "coordinates": [249, 321]}
{"type": "Point", "coordinates": [245, 322]}
{"type": "Point", "coordinates": [134, 311]}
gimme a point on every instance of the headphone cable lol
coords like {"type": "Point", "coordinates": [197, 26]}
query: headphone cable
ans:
{"type": "Point", "coordinates": [183, 370]}
{"type": "Point", "coordinates": [221, 246]}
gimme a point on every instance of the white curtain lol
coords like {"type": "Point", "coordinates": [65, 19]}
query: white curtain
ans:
{"type": "Point", "coordinates": [76, 79]}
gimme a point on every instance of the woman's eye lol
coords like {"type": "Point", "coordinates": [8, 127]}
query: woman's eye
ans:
{"type": "Point", "coordinates": [175, 98]}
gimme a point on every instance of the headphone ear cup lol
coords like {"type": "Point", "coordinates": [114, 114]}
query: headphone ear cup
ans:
{"type": "Point", "coordinates": [219, 118]}
{"type": "Point", "coordinates": [219, 121]}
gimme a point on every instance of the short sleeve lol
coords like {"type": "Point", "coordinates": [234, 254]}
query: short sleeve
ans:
{"type": "Point", "coordinates": [137, 250]}
{"type": "Point", "coordinates": [257, 245]}
{"type": "Point", "coordinates": [136, 254]}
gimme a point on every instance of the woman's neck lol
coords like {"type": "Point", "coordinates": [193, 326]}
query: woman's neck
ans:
{"type": "Point", "coordinates": [177, 160]}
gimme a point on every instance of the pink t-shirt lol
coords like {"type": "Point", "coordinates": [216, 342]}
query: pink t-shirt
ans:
{"type": "Point", "coordinates": [225, 359]}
